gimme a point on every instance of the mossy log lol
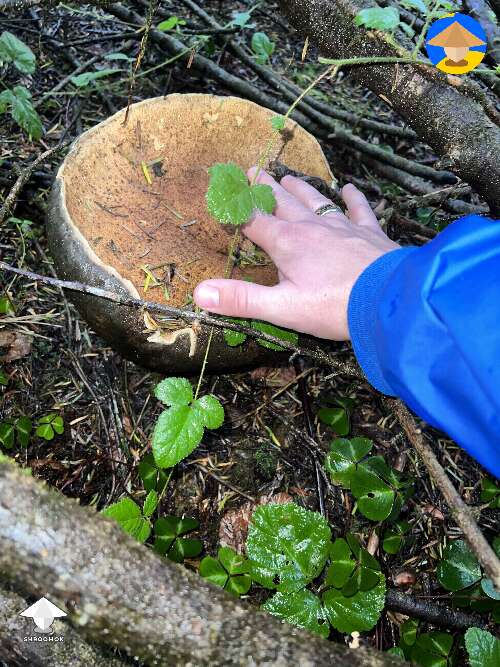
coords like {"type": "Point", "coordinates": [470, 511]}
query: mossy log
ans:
{"type": "Point", "coordinates": [121, 594]}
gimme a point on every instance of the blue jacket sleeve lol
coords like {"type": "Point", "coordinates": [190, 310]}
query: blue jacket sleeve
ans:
{"type": "Point", "coordinates": [425, 326]}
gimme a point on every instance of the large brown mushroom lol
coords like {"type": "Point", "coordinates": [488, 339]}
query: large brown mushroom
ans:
{"type": "Point", "coordinates": [128, 214]}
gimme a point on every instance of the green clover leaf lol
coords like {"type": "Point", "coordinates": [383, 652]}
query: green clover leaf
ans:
{"type": "Point", "coordinates": [152, 477]}
{"type": "Point", "coordinates": [169, 538]}
{"type": "Point", "coordinates": [49, 425]}
{"type": "Point", "coordinates": [352, 568]}
{"type": "Point", "coordinates": [129, 516]}
{"type": "Point", "coordinates": [229, 571]}
{"type": "Point", "coordinates": [343, 457]}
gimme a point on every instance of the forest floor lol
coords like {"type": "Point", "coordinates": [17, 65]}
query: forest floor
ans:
{"type": "Point", "coordinates": [54, 363]}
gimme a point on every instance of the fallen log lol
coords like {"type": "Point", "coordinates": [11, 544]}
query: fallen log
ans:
{"type": "Point", "coordinates": [72, 651]}
{"type": "Point", "coordinates": [444, 110]}
{"type": "Point", "coordinates": [121, 594]}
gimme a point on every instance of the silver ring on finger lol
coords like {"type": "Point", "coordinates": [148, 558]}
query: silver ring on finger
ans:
{"type": "Point", "coordinates": [328, 208]}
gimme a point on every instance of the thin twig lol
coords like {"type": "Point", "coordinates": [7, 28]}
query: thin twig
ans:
{"type": "Point", "coordinates": [22, 179]}
{"type": "Point", "coordinates": [459, 510]}
{"type": "Point", "coordinates": [317, 353]}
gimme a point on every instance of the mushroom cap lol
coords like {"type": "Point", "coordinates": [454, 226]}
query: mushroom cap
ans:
{"type": "Point", "coordinates": [131, 196]}
{"type": "Point", "coordinates": [455, 35]}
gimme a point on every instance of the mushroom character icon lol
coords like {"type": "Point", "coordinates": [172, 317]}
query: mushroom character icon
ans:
{"type": "Point", "coordinates": [43, 614]}
{"type": "Point", "coordinates": [460, 41]}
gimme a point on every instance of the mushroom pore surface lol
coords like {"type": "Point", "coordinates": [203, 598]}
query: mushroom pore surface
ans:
{"type": "Point", "coordinates": [130, 224]}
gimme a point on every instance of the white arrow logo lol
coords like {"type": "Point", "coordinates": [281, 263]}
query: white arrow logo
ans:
{"type": "Point", "coordinates": [43, 614]}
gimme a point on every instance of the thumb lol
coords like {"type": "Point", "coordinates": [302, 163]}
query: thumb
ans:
{"type": "Point", "coordinates": [239, 298]}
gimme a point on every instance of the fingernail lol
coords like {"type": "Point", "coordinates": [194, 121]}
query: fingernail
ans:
{"type": "Point", "coordinates": [207, 296]}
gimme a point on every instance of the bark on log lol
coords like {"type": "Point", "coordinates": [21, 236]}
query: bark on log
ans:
{"type": "Point", "coordinates": [435, 105]}
{"type": "Point", "coordinates": [121, 594]}
{"type": "Point", "coordinates": [71, 652]}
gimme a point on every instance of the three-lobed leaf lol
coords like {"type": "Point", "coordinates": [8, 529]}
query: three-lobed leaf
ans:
{"type": "Point", "coordinates": [432, 649]}
{"type": "Point", "coordinates": [231, 199]}
{"type": "Point", "coordinates": [169, 540]}
{"type": "Point", "coordinates": [343, 456]}
{"type": "Point", "coordinates": [18, 102]}
{"type": "Point", "coordinates": [352, 568]}
{"type": "Point", "coordinates": [229, 570]}
{"type": "Point", "coordinates": [262, 46]}
{"type": "Point", "coordinates": [13, 50]}
{"type": "Point", "coordinates": [337, 418]}
{"type": "Point", "coordinates": [152, 477]}
{"type": "Point", "coordinates": [180, 428]}
{"type": "Point", "coordinates": [49, 425]}
{"type": "Point", "coordinates": [287, 546]}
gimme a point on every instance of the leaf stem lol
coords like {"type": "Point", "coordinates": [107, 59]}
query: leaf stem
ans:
{"type": "Point", "coordinates": [425, 28]}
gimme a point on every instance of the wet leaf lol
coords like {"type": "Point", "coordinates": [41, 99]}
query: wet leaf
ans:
{"type": "Point", "coordinates": [355, 613]}
{"type": "Point", "coordinates": [287, 546]}
{"type": "Point", "coordinates": [174, 391]}
{"type": "Point", "coordinates": [229, 570]}
{"type": "Point", "coordinates": [343, 456]}
{"type": "Point", "coordinates": [459, 567]}
{"type": "Point", "coordinates": [483, 648]}
{"type": "Point", "coordinates": [301, 608]}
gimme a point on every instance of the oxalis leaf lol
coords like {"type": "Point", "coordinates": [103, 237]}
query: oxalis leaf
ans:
{"type": "Point", "coordinates": [357, 612]}
{"type": "Point", "coordinates": [180, 428]}
{"type": "Point", "coordinates": [229, 570]}
{"type": "Point", "coordinates": [483, 648]}
{"type": "Point", "coordinates": [432, 649]}
{"type": "Point", "coordinates": [169, 541]}
{"type": "Point", "coordinates": [459, 567]}
{"type": "Point", "coordinates": [301, 608]}
{"type": "Point", "coordinates": [287, 546]}
{"type": "Point", "coordinates": [231, 199]}
{"type": "Point", "coordinates": [352, 568]}
{"type": "Point", "coordinates": [343, 456]}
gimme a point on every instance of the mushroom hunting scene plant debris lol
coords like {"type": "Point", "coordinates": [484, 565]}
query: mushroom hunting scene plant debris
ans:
{"type": "Point", "coordinates": [197, 489]}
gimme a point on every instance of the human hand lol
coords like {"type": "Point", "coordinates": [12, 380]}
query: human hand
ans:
{"type": "Point", "coordinates": [319, 258]}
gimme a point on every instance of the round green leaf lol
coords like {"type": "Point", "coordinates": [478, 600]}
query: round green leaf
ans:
{"type": "Point", "coordinates": [177, 432]}
{"type": "Point", "coordinates": [459, 567]}
{"type": "Point", "coordinates": [375, 498]}
{"type": "Point", "coordinates": [174, 391]}
{"type": "Point", "coordinates": [287, 546]}
{"type": "Point", "coordinates": [342, 565]}
{"type": "Point", "coordinates": [233, 562]}
{"type": "Point", "coordinates": [356, 613]}
{"type": "Point", "coordinates": [301, 608]}
{"type": "Point", "coordinates": [483, 648]}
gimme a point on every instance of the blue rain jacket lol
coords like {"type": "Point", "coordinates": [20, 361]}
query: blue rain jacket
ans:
{"type": "Point", "coordinates": [425, 326]}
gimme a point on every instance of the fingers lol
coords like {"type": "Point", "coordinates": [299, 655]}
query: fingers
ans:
{"type": "Point", "coordinates": [239, 298]}
{"type": "Point", "coordinates": [287, 206]}
{"type": "Point", "coordinates": [359, 210]}
{"type": "Point", "coordinates": [307, 195]}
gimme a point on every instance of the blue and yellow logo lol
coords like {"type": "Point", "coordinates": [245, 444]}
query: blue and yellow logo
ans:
{"type": "Point", "coordinates": [456, 44]}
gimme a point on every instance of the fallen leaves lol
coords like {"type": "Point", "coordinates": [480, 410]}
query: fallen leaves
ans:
{"type": "Point", "coordinates": [14, 345]}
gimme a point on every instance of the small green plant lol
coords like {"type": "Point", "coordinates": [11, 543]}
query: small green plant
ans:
{"type": "Point", "coordinates": [394, 538]}
{"type": "Point", "coordinates": [131, 518]}
{"type": "Point", "coordinates": [459, 571]}
{"type": "Point", "coordinates": [236, 338]}
{"type": "Point", "coordinates": [85, 79]}
{"type": "Point", "coordinates": [338, 418]}
{"type": "Point", "coordinates": [170, 24]}
{"type": "Point", "coordinates": [49, 425]}
{"type": "Point", "coordinates": [170, 541]}
{"type": "Point", "coordinates": [153, 478]}
{"type": "Point", "coordinates": [17, 100]}
{"type": "Point", "coordinates": [229, 570]}
{"type": "Point", "coordinates": [180, 428]}
{"type": "Point", "coordinates": [380, 491]}
{"type": "Point", "coordinates": [289, 548]}
{"type": "Point", "coordinates": [490, 493]}
{"type": "Point", "coordinates": [378, 18]}
{"type": "Point", "coordinates": [20, 428]}
{"type": "Point", "coordinates": [482, 647]}
{"type": "Point", "coordinates": [262, 47]}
